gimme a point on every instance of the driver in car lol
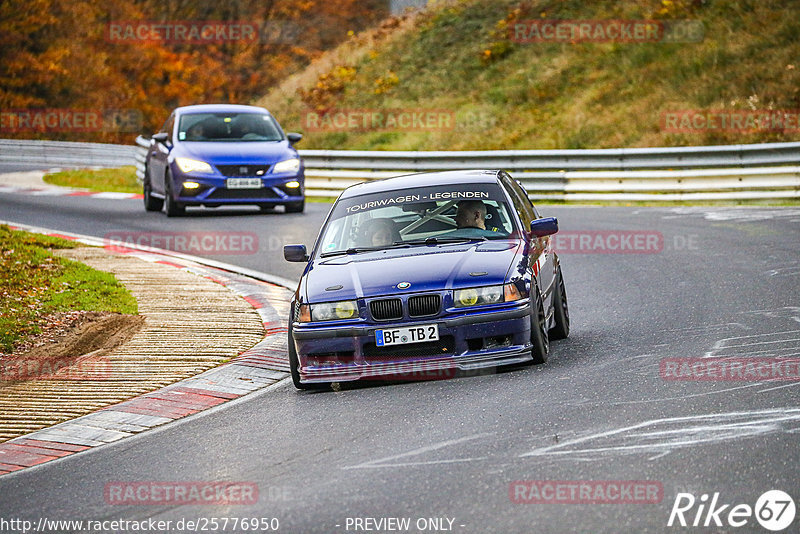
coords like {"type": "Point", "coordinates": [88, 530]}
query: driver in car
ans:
{"type": "Point", "coordinates": [471, 220]}
{"type": "Point", "coordinates": [196, 132]}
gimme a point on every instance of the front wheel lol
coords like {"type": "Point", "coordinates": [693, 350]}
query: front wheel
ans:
{"type": "Point", "coordinates": [172, 208]}
{"type": "Point", "coordinates": [295, 207]}
{"type": "Point", "coordinates": [294, 366]}
{"type": "Point", "coordinates": [151, 203]}
{"type": "Point", "coordinates": [540, 342]}
{"type": "Point", "coordinates": [560, 310]}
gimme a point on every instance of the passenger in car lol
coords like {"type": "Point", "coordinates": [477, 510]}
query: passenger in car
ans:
{"type": "Point", "coordinates": [381, 232]}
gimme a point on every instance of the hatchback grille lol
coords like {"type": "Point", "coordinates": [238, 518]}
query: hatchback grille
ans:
{"type": "Point", "coordinates": [424, 305]}
{"type": "Point", "coordinates": [243, 170]}
{"type": "Point", "coordinates": [235, 194]}
{"type": "Point", "coordinates": [386, 309]}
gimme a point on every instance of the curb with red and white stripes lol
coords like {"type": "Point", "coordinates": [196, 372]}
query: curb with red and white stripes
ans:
{"type": "Point", "coordinates": [64, 192]}
{"type": "Point", "coordinates": [31, 183]}
{"type": "Point", "coordinates": [261, 366]}
{"type": "Point", "coordinates": [67, 192]}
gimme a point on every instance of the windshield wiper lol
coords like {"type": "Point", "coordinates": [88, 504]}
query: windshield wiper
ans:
{"type": "Point", "coordinates": [358, 250]}
{"type": "Point", "coordinates": [402, 244]}
{"type": "Point", "coordinates": [445, 239]}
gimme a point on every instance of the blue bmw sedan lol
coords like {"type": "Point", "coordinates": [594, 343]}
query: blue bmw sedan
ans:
{"type": "Point", "coordinates": [426, 273]}
{"type": "Point", "coordinates": [222, 154]}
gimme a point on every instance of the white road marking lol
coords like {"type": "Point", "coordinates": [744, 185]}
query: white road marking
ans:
{"type": "Point", "coordinates": [779, 387]}
{"type": "Point", "coordinates": [743, 342]}
{"type": "Point", "coordinates": [690, 396]}
{"type": "Point", "coordinates": [792, 270]}
{"type": "Point", "coordinates": [422, 450]}
{"type": "Point", "coordinates": [662, 436]}
{"type": "Point", "coordinates": [787, 312]}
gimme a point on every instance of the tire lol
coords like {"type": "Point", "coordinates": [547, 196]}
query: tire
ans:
{"type": "Point", "coordinates": [540, 342]}
{"type": "Point", "coordinates": [560, 309]}
{"type": "Point", "coordinates": [294, 364]}
{"type": "Point", "coordinates": [172, 208]}
{"type": "Point", "coordinates": [151, 203]}
{"type": "Point", "coordinates": [295, 207]}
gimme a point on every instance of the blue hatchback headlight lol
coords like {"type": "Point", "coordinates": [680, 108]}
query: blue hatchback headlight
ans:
{"type": "Point", "coordinates": [287, 165]}
{"type": "Point", "coordinates": [193, 165]}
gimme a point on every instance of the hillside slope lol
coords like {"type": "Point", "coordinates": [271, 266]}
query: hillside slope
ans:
{"type": "Point", "coordinates": [462, 59]}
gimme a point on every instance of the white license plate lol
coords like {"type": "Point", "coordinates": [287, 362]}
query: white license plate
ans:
{"type": "Point", "coordinates": [243, 183]}
{"type": "Point", "coordinates": [404, 336]}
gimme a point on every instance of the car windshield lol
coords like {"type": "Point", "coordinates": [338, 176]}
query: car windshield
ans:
{"type": "Point", "coordinates": [228, 127]}
{"type": "Point", "coordinates": [420, 216]}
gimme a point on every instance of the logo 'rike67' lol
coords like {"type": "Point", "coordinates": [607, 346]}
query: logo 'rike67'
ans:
{"type": "Point", "coordinates": [774, 510]}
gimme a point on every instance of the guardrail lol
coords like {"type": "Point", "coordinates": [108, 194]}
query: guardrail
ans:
{"type": "Point", "coordinates": [561, 160]}
{"type": "Point", "coordinates": [651, 185]}
{"type": "Point", "coordinates": [46, 154]}
{"type": "Point", "coordinates": [730, 172]}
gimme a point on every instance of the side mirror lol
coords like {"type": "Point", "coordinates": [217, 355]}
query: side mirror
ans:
{"type": "Point", "coordinates": [295, 253]}
{"type": "Point", "coordinates": [544, 226]}
{"type": "Point", "coordinates": [294, 137]}
{"type": "Point", "coordinates": [161, 137]}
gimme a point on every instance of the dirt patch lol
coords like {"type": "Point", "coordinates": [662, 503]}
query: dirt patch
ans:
{"type": "Point", "coordinates": [67, 341]}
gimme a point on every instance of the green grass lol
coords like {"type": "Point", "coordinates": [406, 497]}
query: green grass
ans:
{"type": "Point", "coordinates": [34, 282]}
{"type": "Point", "coordinates": [562, 95]}
{"type": "Point", "coordinates": [120, 180]}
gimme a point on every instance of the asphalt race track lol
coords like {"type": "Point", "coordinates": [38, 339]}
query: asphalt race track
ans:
{"type": "Point", "coordinates": [723, 283]}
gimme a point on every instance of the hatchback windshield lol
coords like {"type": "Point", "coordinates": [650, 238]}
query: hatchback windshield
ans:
{"type": "Point", "coordinates": [440, 214]}
{"type": "Point", "coordinates": [228, 127]}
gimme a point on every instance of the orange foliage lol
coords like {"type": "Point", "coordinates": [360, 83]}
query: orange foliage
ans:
{"type": "Point", "coordinates": [59, 55]}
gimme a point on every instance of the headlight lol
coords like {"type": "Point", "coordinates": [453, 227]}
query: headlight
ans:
{"type": "Point", "coordinates": [288, 165]}
{"type": "Point", "coordinates": [193, 165]}
{"type": "Point", "coordinates": [331, 311]}
{"type": "Point", "coordinates": [480, 296]}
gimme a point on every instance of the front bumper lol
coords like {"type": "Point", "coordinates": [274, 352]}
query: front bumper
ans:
{"type": "Point", "coordinates": [466, 342]}
{"type": "Point", "coordinates": [213, 190]}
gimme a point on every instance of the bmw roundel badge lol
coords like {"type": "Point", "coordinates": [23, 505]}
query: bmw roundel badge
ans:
{"type": "Point", "coordinates": [403, 285]}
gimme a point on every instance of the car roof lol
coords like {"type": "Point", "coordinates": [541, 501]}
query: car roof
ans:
{"type": "Point", "coordinates": [219, 108]}
{"type": "Point", "coordinates": [422, 179]}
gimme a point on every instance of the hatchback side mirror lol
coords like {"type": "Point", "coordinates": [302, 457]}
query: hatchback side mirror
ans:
{"type": "Point", "coordinates": [294, 137]}
{"type": "Point", "coordinates": [544, 226]}
{"type": "Point", "coordinates": [295, 253]}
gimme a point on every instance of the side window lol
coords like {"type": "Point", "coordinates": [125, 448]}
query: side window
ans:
{"type": "Point", "coordinates": [520, 200]}
{"type": "Point", "coordinates": [525, 195]}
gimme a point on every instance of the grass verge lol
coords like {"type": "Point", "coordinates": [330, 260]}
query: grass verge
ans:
{"type": "Point", "coordinates": [120, 180]}
{"type": "Point", "coordinates": [462, 58]}
{"type": "Point", "coordinates": [34, 282]}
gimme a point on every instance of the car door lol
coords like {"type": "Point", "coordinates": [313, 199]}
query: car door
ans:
{"type": "Point", "coordinates": [157, 157]}
{"type": "Point", "coordinates": [540, 258]}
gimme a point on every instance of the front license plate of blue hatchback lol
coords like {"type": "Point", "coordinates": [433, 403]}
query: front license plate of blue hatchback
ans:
{"type": "Point", "coordinates": [243, 183]}
{"type": "Point", "coordinates": [404, 336]}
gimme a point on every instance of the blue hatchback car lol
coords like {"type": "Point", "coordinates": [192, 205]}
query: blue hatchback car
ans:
{"type": "Point", "coordinates": [222, 154]}
{"type": "Point", "coordinates": [425, 273]}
